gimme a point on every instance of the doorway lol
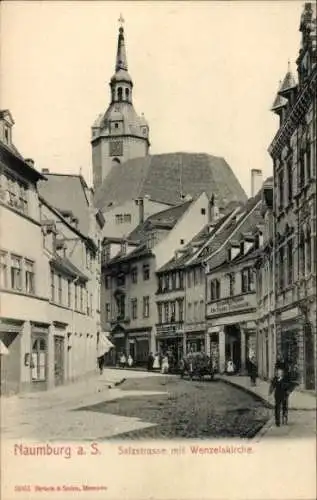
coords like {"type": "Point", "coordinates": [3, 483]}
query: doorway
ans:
{"type": "Point", "coordinates": [233, 345]}
{"type": "Point", "coordinates": [59, 360]}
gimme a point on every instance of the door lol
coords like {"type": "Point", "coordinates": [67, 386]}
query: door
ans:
{"type": "Point", "coordinates": [59, 360]}
{"type": "Point", "coordinates": [309, 358]}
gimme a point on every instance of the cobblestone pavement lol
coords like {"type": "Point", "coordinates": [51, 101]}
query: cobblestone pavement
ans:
{"type": "Point", "coordinates": [188, 409]}
{"type": "Point", "coordinates": [91, 411]}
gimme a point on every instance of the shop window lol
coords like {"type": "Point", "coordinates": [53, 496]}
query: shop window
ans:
{"type": "Point", "coordinates": [38, 364]}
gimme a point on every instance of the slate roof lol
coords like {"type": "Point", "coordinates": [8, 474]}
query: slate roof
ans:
{"type": "Point", "coordinates": [165, 219]}
{"type": "Point", "coordinates": [67, 193]}
{"type": "Point", "coordinates": [167, 177]}
{"type": "Point", "coordinates": [67, 266]}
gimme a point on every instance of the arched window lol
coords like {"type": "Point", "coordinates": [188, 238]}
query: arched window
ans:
{"type": "Point", "coordinates": [127, 94]}
{"type": "Point", "coordinates": [120, 94]}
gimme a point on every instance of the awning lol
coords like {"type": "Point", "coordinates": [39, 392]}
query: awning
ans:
{"type": "Point", "coordinates": [104, 344]}
{"type": "Point", "coordinates": [3, 349]}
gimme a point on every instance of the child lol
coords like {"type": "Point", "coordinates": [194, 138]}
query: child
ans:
{"type": "Point", "coordinates": [281, 388]}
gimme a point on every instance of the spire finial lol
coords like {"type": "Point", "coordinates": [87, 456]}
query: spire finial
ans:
{"type": "Point", "coordinates": [121, 21]}
{"type": "Point", "coordinates": [121, 60]}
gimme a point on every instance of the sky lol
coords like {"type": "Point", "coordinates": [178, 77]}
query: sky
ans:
{"type": "Point", "coordinates": [205, 75]}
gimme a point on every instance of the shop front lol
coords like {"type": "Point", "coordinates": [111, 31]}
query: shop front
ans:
{"type": "Point", "coordinates": [139, 345]}
{"type": "Point", "coordinates": [195, 341]}
{"type": "Point", "coordinates": [170, 340]}
{"type": "Point", "coordinates": [10, 336]}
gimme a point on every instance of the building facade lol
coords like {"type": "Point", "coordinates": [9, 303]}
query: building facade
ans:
{"type": "Point", "coordinates": [293, 151]}
{"type": "Point", "coordinates": [50, 281]}
{"type": "Point", "coordinates": [131, 289]}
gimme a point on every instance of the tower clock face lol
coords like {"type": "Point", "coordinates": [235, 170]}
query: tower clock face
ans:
{"type": "Point", "coordinates": [116, 148]}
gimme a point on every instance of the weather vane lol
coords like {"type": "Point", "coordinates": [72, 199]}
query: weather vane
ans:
{"type": "Point", "coordinates": [121, 20]}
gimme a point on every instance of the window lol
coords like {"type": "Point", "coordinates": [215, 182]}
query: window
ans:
{"type": "Point", "coordinates": [120, 94]}
{"type": "Point", "coordinates": [281, 267]}
{"type": "Point", "coordinates": [166, 282]}
{"type": "Point", "coordinates": [203, 211]}
{"type": "Point", "coordinates": [231, 284]}
{"type": "Point", "coordinates": [290, 262]}
{"type": "Point", "coordinates": [60, 291]}
{"type": "Point", "coordinates": [146, 307]}
{"type": "Point", "coordinates": [181, 280]}
{"type": "Point", "coordinates": [119, 218]}
{"type": "Point", "coordinates": [289, 181]}
{"type": "Point", "coordinates": [160, 283]}
{"type": "Point", "coordinates": [81, 298]}
{"type": "Point", "coordinates": [108, 282]}
{"type": "Point", "coordinates": [127, 218]}
{"type": "Point", "coordinates": [247, 280]}
{"type": "Point", "coordinates": [182, 241]}
{"type": "Point", "coordinates": [87, 303]}
{"type": "Point", "coordinates": [281, 188]}
{"type": "Point", "coordinates": [302, 260]}
{"type": "Point", "coordinates": [134, 308]}
{"type": "Point", "coordinates": [189, 279]}
{"type": "Point", "coordinates": [180, 310]}
{"type": "Point", "coordinates": [38, 362]}
{"type": "Point", "coordinates": [29, 277]}
{"type": "Point", "coordinates": [301, 165]}
{"type": "Point", "coordinates": [121, 279]}
{"type": "Point", "coordinates": [52, 286]}
{"type": "Point", "coordinates": [166, 312]}
{"type": "Point", "coordinates": [308, 253]}
{"type": "Point", "coordinates": [214, 290]}
{"type": "Point", "coordinates": [116, 125]}
{"type": "Point", "coordinates": [127, 94]}
{"type": "Point", "coordinates": [3, 270]}
{"type": "Point", "coordinates": [173, 281]}
{"type": "Point", "coordinates": [108, 311]}
{"type": "Point", "coordinates": [121, 306]}
{"type": "Point", "coordinates": [69, 296]}
{"type": "Point", "coordinates": [98, 302]}
{"type": "Point", "coordinates": [160, 312]}
{"type": "Point", "coordinates": [146, 272]}
{"type": "Point", "coordinates": [76, 297]}
{"type": "Point", "coordinates": [17, 194]}
{"type": "Point", "coordinates": [134, 275]}
{"type": "Point", "coordinates": [308, 161]}
{"type": "Point", "coordinates": [16, 273]}
{"type": "Point", "coordinates": [173, 311]}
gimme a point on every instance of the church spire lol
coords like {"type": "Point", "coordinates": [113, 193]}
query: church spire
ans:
{"type": "Point", "coordinates": [121, 59]}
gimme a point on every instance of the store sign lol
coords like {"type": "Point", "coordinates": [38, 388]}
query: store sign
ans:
{"type": "Point", "coordinates": [231, 304]}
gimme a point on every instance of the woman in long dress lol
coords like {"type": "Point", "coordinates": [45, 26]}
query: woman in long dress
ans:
{"type": "Point", "coordinates": [156, 364]}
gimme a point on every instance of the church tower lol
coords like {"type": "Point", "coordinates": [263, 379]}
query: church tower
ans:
{"type": "Point", "coordinates": [119, 134]}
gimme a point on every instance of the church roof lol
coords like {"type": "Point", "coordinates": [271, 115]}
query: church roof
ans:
{"type": "Point", "coordinates": [289, 82]}
{"type": "Point", "coordinates": [166, 178]}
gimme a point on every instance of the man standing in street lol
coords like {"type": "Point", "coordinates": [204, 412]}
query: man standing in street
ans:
{"type": "Point", "coordinates": [281, 388]}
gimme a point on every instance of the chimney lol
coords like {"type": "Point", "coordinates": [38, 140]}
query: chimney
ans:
{"type": "Point", "coordinates": [45, 171]}
{"type": "Point", "coordinates": [256, 181]}
{"type": "Point", "coordinates": [213, 210]}
{"type": "Point", "coordinates": [140, 203]}
{"type": "Point", "coordinates": [30, 162]}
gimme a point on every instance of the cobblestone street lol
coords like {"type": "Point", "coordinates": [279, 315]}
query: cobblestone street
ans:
{"type": "Point", "coordinates": [141, 407]}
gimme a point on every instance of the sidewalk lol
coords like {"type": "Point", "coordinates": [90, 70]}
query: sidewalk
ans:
{"type": "Point", "coordinates": [297, 401]}
{"type": "Point", "coordinates": [302, 410]}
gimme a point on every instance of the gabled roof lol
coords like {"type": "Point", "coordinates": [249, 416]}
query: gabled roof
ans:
{"type": "Point", "coordinates": [10, 157]}
{"type": "Point", "coordinates": [166, 219]}
{"type": "Point", "coordinates": [166, 178]}
{"type": "Point", "coordinates": [67, 192]}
